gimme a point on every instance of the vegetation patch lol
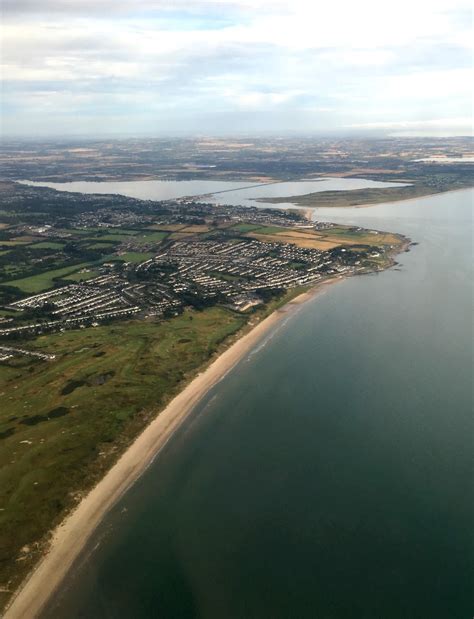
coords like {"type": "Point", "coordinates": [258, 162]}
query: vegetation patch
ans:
{"type": "Point", "coordinates": [167, 227]}
{"type": "Point", "coordinates": [13, 242]}
{"type": "Point", "coordinates": [100, 379]}
{"type": "Point", "coordinates": [43, 281]}
{"type": "Point", "coordinates": [59, 411]}
{"type": "Point", "coordinates": [152, 237]}
{"type": "Point", "coordinates": [81, 276]}
{"type": "Point", "coordinates": [44, 464]}
{"type": "Point", "coordinates": [71, 386]}
{"type": "Point", "coordinates": [47, 245]}
{"type": "Point", "coordinates": [108, 245]}
{"type": "Point", "coordinates": [33, 420]}
{"type": "Point", "coordinates": [325, 239]}
{"type": "Point", "coordinates": [136, 257]}
{"type": "Point", "coordinates": [245, 227]}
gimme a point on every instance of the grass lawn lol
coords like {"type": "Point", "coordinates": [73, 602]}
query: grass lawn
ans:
{"type": "Point", "coordinates": [4, 312]}
{"type": "Point", "coordinates": [271, 230]}
{"type": "Point", "coordinates": [152, 237]}
{"type": "Point", "coordinates": [108, 231]}
{"type": "Point", "coordinates": [64, 422]}
{"type": "Point", "coordinates": [111, 237]}
{"type": "Point", "coordinates": [144, 236]}
{"type": "Point", "coordinates": [135, 257]}
{"type": "Point", "coordinates": [14, 243]}
{"type": "Point", "coordinates": [167, 227]}
{"type": "Point", "coordinates": [197, 229]}
{"type": "Point", "coordinates": [43, 281]}
{"type": "Point", "coordinates": [79, 276]}
{"type": "Point", "coordinates": [47, 245]}
{"type": "Point", "coordinates": [245, 227]}
{"type": "Point", "coordinates": [101, 245]}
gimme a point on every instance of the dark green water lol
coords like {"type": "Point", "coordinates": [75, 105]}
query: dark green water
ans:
{"type": "Point", "coordinates": [330, 474]}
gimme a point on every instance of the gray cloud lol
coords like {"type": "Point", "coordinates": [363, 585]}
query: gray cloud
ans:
{"type": "Point", "coordinates": [158, 64]}
{"type": "Point", "coordinates": [125, 7]}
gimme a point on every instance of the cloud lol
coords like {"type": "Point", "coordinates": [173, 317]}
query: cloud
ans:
{"type": "Point", "coordinates": [341, 65]}
{"type": "Point", "coordinates": [418, 128]}
{"type": "Point", "coordinates": [416, 124]}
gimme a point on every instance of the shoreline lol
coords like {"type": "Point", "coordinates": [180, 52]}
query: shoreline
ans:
{"type": "Point", "coordinates": [70, 537]}
{"type": "Point", "coordinates": [312, 209]}
{"type": "Point", "coordinates": [427, 195]}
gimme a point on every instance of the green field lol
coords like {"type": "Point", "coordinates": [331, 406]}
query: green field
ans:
{"type": "Point", "coordinates": [135, 257]}
{"type": "Point", "coordinates": [47, 245]}
{"type": "Point", "coordinates": [43, 281]}
{"type": "Point", "coordinates": [12, 243]}
{"type": "Point", "coordinates": [122, 235]}
{"type": "Point", "coordinates": [108, 231]}
{"type": "Point", "coordinates": [77, 231]}
{"type": "Point", "coordinates": [270, 230]}
{"type": "Point", "coordinates": [245, 227]}
{"type": "Point", "coordinates": [79, 276]}
{"type": "Point", "coordinates": [65, 421]}
{"type": "Point", "coordinates": [4, 312]}
{"type": "Point", "coordinates": [117, 238]}
{"type": "Point", "coordinates": [104, 245]}
{"type": "Point", "coordinates": [152, 237]}
{"type": "Point", "coordinates": [123, 231]}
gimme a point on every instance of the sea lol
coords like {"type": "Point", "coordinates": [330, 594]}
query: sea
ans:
{"type": "Point", "coordinates": [329, 474]}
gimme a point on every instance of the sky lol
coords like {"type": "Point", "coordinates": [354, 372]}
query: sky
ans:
{"type": "Point", "coordinates": [197, 67]}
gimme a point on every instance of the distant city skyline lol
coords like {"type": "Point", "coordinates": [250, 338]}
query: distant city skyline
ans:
{"type": "Point", "coordinates": [156, 68]}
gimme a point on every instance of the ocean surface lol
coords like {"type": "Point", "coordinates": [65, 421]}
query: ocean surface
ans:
{"type": "Point", "coordinates": [329, 475]}
{"type": "Point", "coordinates": [219, 192]}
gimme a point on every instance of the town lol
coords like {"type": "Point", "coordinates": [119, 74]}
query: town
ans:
{"type": "Point", "coordinates": [180, 254]}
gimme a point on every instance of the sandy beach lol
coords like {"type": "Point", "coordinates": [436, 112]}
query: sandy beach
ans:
{"type": "Point", "coordinates": [71, 536]}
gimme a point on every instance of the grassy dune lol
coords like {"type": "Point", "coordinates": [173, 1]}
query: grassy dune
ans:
{"type": "Point", "coordinates": [357, 197]}
{"type": "Point", "coordinates": [63, 422]}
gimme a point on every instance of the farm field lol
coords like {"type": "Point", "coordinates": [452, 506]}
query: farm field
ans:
{"type": "Point", "coordinates": [43, 281]}
{"type": "Point", "coordinates": [321, 239]}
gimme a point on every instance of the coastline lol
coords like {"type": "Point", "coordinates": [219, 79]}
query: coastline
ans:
{"type": "Point", "coordinates": [70, 537]}
{"type": "Point", "coordinates": [305, 208]}
{"type": "Point", "coordinates": [427, 195]}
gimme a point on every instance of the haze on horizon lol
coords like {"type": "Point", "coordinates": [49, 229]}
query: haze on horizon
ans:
{"type": "Point", "coordinates": [154, 67]}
